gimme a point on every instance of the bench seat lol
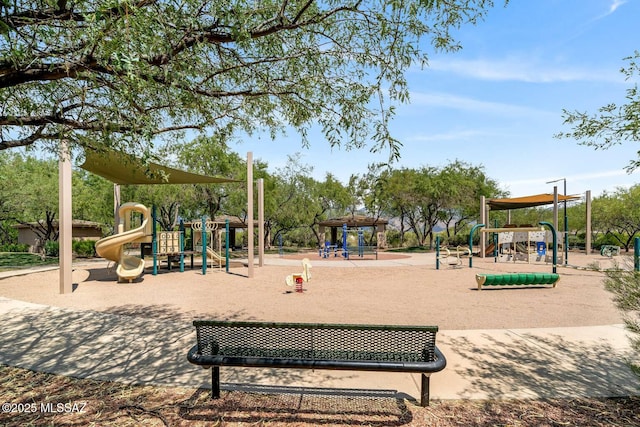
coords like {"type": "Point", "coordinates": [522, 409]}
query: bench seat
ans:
{"type": "Point", "coordinates": [409, 349]}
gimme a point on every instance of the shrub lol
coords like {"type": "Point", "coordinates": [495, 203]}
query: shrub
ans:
{"type": "Point", "coordinates": [625, 286]}
{"type": "Point", "coordinates": [84, 248]}
{"type": "Point", "coordinates": [14, 247]}
{"type": "Point", "coordinates": [459, 239]}
{"type": "Point", "coordinates": [51, 248]}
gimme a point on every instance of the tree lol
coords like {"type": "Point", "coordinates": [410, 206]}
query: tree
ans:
{"type": "Point", "coordinates": [29, 196]}
{"type": "Point", "coordinates": [123, 73]}
{"type": "Point", "coordinates": [92, 197]}
{"type": "Point", "coordinates": [427, 197]}
{"type": "Point", "coordinates": [413, 198]}
{"type": "Point", "coordinates": [618, 215]}
{"type": "Point", "coordinates": [625, 286]}
{"type": "Point", "coordinates": [613, 124]}
{"type": "Point", "coordinates": [211, 156]}
{"type": "Point", "coordinates": [29, 193]}
{"type": "Point", "coordinates": [301, 201]}
{"type": "Point", "coordinates": [464, 183]}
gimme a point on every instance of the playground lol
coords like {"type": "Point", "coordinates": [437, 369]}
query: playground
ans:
{"type": "Point", "coordinates": [400, 289]}
{"type": "Point", "coordinates": [500, 343]}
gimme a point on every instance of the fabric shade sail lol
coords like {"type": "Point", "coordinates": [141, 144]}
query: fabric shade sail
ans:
{"type": "Point", "coordinates": [121, 168]}
{"type": "Point", "coordinates": [527, 201]}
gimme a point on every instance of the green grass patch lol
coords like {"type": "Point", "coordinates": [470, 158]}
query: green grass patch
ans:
{"type": "Point", "coordinates": [18, 260]}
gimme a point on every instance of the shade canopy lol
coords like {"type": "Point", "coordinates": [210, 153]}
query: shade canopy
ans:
{"type": "Point", "coordinates": [122, 168]}
{"type": "Point", "coordinates": [353, 221]}
{"type": "Point", "coordinates": [527, 201]}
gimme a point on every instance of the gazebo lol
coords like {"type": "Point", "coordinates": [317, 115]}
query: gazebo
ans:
{"type": "Point", "coordinates": [354, 221]}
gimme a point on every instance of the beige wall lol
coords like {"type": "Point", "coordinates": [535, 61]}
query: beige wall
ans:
{"type": "Point", "coordinates": [27, 236]}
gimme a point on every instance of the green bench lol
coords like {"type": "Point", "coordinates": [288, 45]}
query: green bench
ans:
{"type": "Point", "coordinates": [317, 346]}
{"type": "Point", "coordinates": [517, 279]}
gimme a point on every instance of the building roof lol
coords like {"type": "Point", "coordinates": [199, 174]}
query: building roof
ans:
{"type": "Point", "coordinates": [234, 221]}
{"type": "Point", "coordinates": [76, 223]}
{"type": "Point", "coordinates": [354, 221]}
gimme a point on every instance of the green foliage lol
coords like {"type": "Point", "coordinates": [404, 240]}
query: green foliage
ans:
{"type": "Point", "coordinates": [119, 74]}
{"type": "Point", "coordinates": [606, 239]}
{"type": "Point", "coordinates": [14, 247]}
{"type": "Point", "coordinates": [8, 233]}
{"type": "Point", "coordinates": [29, 194]}
{"type": "Point", "coordinates": [613, 124]}
{"type": "Point", "coordinates": [426, 197]}
{"type": "Point", "coordinates": [617, 215]}
{"type": "Point", "coordinates": [51, 248]}
{"type": "Point", "coordinates": [84, 248]}
{"type": "Point", "coordinates": [460, 239]}
{"type": "Point", "coordinates": [625, 286]}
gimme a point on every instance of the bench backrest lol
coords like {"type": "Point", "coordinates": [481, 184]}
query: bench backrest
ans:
{"type": "Point", "coordinates": [317, 341]}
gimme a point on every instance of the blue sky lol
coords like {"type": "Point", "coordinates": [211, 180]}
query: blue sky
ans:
{"type": "Point", "coordinates": [498, 102]}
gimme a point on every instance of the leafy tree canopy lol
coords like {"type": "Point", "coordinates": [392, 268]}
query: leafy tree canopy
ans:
{"type": "Point", "coordinates": [613, 124]}
{"type": "Point", "coordinates": [123, 73]}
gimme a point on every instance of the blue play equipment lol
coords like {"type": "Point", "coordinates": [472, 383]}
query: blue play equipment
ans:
{"type": "Point", "coordinates": [361, 247]}
{"type": "Point", "coordinates": [326, 250]}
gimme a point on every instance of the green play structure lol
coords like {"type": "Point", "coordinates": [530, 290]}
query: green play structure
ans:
{"type": "Point", "coordinates": [517, 279]}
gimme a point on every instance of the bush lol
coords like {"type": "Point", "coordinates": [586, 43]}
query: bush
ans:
{"type": "Point", "coordinates": [625, 286]}
{"type": "Point", "coordinates": [14, 247]}
{"type": "Point", "coordinates": [51, 248]}
{"type": "Point", "coordinates": [606, 239]}
{"type": "Point", "coordinates": [459, 239]}
{"type": "Point", "coordinates": [84, 248]}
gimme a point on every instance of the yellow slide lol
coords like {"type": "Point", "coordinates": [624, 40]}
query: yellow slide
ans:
{"type": "Point", "coordinates": [112, 247]}
{"type": "Point", "coordinates": [216, 257]}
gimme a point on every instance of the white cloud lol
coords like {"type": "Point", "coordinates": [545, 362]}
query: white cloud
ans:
{"type": "Point", "coordinates": [521, 69]}
{"type": "Point", "coordinates": [448, 100]}
{"type": "Point", "coordinates": [463, 135]}
{"type": "Point", "coordinates": [613, 6]}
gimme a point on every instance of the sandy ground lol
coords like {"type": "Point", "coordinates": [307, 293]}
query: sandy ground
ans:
{"type": "Point", "coordinates": [339, 292]}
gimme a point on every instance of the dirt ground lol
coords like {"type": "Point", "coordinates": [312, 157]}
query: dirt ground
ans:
{"type": "Point", "coordinates": [397, 289]}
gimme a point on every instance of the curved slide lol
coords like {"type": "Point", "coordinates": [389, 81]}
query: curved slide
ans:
{"type": "Point", "coordinates": [112, 247]}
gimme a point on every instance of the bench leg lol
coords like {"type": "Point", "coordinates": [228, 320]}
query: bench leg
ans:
{"type": "Point", "coordinates": [424, 392]}
{"type": "Point", "coordinates": [215, 382]}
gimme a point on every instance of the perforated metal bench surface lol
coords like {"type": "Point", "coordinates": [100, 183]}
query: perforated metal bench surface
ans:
{"type": "Point", "coordinates": [317, 346]}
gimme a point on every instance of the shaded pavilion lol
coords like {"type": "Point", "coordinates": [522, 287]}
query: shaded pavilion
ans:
{"type": "Point", "coordinates": [354, 222]}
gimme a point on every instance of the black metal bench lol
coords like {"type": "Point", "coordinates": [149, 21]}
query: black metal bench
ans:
{"type": "Point", "coordinates": [360, 251]}
{"type": "Point", "coordinates": [317, 346]}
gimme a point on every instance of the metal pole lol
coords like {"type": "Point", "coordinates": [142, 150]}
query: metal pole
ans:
{"type": "Point", "coordinates": [555, 244]}
{"type": "Point", "coordinates": [566, 220]}
{"type": "Point", "coordinates": [566, 226]}
{"type": "Point", "coordinates": [250, 212]}
{"type": "Point", "coordinates": [226, 244]}
{"type": "Point", "coordinates": [475, 227]}
{"type": "Point", "coordinates": [260, 222]}
{"type": "Point", "coordinates": [65, 223]}
{"type": "Point", "coordinates": [204, 245]}
{"type": "Point", "coordinates": [636, 254]}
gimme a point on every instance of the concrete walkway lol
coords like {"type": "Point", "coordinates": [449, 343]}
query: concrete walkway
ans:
{"type": "Point", "coordinates": [482, 364]}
